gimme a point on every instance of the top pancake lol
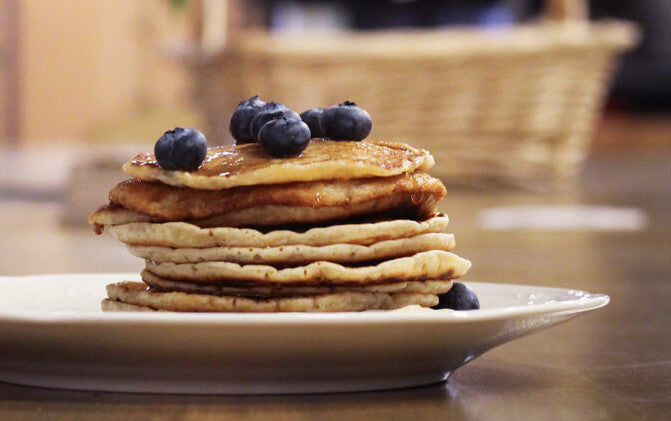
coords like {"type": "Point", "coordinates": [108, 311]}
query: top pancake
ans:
{"type": "Point", "coordinates": [246, 165]}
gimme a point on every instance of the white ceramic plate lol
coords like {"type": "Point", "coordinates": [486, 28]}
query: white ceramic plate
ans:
{"type": "Point", "coordinates": [53, 334]}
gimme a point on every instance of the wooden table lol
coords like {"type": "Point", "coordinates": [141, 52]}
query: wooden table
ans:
{"type": "Point", "coordinates": [614, 363]}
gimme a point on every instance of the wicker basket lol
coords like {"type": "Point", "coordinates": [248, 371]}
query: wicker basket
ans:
{"type": "Point", "coordinates": [517, 105]}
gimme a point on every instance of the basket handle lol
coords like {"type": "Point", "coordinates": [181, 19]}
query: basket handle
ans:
{"type": "Point", "coordinates": [567, 10]}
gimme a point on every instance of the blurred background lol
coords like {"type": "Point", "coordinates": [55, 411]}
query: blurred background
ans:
{"type": "Point", "coordinates": [546, 117]}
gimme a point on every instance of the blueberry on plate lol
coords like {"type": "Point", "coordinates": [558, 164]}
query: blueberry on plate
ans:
{"type": "Point", "coordinates": [267, 113]}
{"type": "Point", "coordinates": [284, 137]}
{"type": "Point", "coordinates": [242, 118]}
{"type": "Point", "coordinates": [181, 149]}
{"type": "Point", "coordinates": [313, 118]}
{"type": "Point", "coordinates": [459, 297]}
{"type": "Point", "coordinates": [346, 121]}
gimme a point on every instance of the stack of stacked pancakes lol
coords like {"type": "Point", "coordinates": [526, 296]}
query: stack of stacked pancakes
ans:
{"type": "Point", "coordinates": [345, 226]}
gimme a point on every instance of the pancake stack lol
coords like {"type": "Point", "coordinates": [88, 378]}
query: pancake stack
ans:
{"type": "Point", "coordinates": [345, 226]}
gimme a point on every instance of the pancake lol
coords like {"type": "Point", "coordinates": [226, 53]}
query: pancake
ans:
{"type": "Point", "coordinates": [113, 305]}
{"type": "Point", "coordinates": [298, 254]}
{"type": "Point", "coordinates": [245, 165]}
{"type": "Point", "coordinates": [345, 226]}
{"type": "Point", "coordinates": [134, 296]}
{"type": "Point", "coordinates": [434, 264]}
{"type": "Point", "coordinates": [161, 284]}
{"type": "Point", "coordinates": [418, 206]}
{"type": "Point", "coordinates": [273, 216]}
{"type": "Point", "coordinates": [168, 203]}
{"type": "Point", "coordinates": [111, 214]}
{"type": "Point", "coordinates": [181, 234]}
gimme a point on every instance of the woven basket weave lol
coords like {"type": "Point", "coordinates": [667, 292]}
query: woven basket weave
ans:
{"type": "Point", "coordinates": [517, 105]}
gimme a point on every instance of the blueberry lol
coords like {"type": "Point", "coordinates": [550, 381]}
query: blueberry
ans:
{"type": "Point", "coordinates": [346, 121]}
{"type": "Point", "coordinates": [284, 137]}
{"type": "Point", "coordinates": [270, 112]}
{"type": "Point", "coordinates": [268, 107]}
{"type": "Point", "coordinates": [181, 149]}
{"type": "Point", "coordinates": [242, 119]}
{"type": "Point", "coordinates": [313, 119]}
{"type": "Point", "coordinates": [459, 297]}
